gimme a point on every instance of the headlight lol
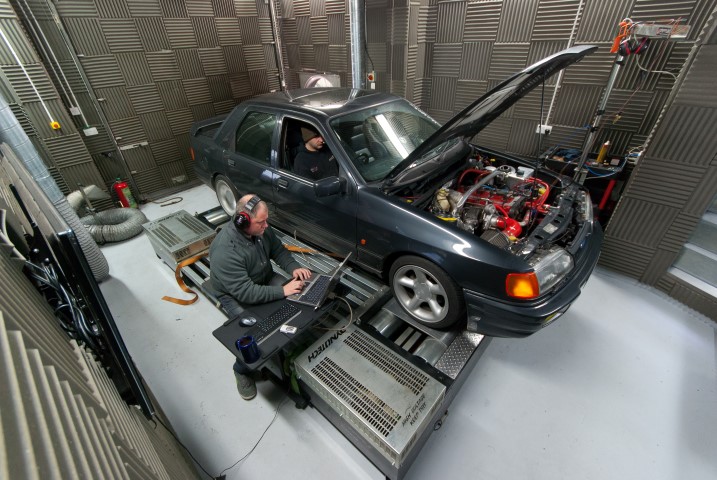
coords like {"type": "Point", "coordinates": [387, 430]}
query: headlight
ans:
{"type": "Point", "coordinates": [587, 207]}
{"type": "Point", "coordinates": [552, 267]}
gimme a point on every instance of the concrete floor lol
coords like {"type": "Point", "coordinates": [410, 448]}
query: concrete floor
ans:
{"type": "Point", "coordinates": [623, 386]}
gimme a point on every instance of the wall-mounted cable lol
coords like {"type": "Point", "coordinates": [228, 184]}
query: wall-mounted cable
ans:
{"type": "Point", "coordinates": [46, 48]}
{"type": "Point", "coordinates": [53, 123]}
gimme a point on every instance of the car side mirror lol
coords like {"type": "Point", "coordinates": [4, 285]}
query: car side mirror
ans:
{"type": "Point", "coordinates": [329, 186]}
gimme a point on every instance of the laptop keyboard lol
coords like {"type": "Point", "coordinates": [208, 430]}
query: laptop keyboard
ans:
{"type": "Point", "coordinates": [317, 289]}
{"type": "Point", "coordinates": [278, 317]}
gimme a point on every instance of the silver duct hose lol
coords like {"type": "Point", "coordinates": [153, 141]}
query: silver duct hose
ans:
{"type": "Point", "coordinates": [14, 136]}
{"type": "Point", "coordinates": [470, 191]}
{"type": "Point", "coordinates": [114, 225]}
{"type": "Point", "coordinates": [76, 200]}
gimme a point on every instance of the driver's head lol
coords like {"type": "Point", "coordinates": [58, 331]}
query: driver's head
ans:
{"type": "Point", "coordinates": [312, 139]}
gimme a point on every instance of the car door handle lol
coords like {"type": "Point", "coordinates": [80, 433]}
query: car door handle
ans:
{"type": "Point", "coordinates": [227, 158]}
{"type": "Point", "coordinates": [281, 183]}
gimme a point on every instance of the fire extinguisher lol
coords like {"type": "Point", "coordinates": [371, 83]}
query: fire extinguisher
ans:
{"type": "Point", "coordinates": [124, 194]}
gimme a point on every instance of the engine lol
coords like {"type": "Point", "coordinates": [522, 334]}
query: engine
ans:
{"type": "Point", "coordinates": [498, 204]}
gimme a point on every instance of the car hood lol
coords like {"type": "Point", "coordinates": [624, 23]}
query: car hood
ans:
{"type": "Point", "coordinates": [487, 108]}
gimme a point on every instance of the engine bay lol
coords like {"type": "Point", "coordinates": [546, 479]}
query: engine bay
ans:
{"type": "Point", "coordinates": [509, 207]}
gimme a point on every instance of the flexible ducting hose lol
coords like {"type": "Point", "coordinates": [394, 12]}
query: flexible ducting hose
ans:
{"type": "Point", "coordinates": [76, 200]}
{"type": "Point", "coordinates": [14, 136]}
{"type": "Point", "coordinates": [114, 225]}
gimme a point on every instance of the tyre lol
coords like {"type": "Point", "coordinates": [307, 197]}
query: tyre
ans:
{"type": "Point", "coordinates": [426, 292]}
{"type": "Point", "coordinates": [227, 194]}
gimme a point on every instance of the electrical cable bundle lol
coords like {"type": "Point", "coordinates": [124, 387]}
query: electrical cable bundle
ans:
{"type": "Point", "coordinates": [66, 307]}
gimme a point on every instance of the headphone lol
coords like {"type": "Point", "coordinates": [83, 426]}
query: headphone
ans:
{"type": "Point", "coordinates": [243, 219]}
{"type": "Point", "coordinates": [631, 47]}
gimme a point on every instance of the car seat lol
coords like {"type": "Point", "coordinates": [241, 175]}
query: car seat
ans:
{"type": "Point", "coordinates": [293, 142]}
{"type": "Point", "coordinates": [376, 141]}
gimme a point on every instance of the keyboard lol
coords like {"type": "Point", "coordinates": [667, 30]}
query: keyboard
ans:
{"type": "Point", "coordinates": [275, 319]}
{"type": "Point", "coordinates": [316, 290]}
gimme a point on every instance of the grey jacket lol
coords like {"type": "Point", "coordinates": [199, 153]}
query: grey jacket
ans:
{"type": "Point", "coordinates": [240, 266]}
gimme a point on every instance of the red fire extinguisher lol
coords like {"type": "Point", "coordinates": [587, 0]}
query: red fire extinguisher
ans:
{"type": "Point", "coordinates": [124, 194]}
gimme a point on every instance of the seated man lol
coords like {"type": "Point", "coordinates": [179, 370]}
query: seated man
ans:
{"type": "Point", "coordinates": [313, 161]}
{"type": "Point", "coordinates": [240, 268]}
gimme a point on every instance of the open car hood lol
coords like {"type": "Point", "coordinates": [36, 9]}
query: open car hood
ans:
{"type": "Point", "coordinates": [487, 108]}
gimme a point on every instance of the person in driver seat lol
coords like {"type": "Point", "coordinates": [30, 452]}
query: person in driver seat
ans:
{"type": "Point", "coordinates": [314, 160]}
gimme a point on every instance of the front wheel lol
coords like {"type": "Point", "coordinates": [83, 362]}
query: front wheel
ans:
{"type": "Point", "coordinates": [426, 292]}
{"type": "Point", "coordinates": [227, 194]}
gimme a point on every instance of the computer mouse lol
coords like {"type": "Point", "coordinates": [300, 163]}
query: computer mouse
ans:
{"type": "Point", "coordinates": [248, 321]}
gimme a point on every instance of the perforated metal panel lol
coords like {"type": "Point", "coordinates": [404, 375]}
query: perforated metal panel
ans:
{"type": "Point", "coordinates": [383, 397]}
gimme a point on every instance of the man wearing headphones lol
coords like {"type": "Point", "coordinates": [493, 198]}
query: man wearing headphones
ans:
{"type": "Point", "coordinates": [240, 269]}
{"type": "Point", "coordinates": [313, 160]}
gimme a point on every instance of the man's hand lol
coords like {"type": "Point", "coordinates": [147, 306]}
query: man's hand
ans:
{"type": "Point", "coordinates": [294, 286]}
{"type": "Point", "coordinates": [301, 273]}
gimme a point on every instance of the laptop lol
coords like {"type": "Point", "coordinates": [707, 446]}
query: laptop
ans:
{"type": "Point", "coordinates": [315, 292]}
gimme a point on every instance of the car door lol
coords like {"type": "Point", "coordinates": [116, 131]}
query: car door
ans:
{"type": "Point", "coordinates": [325, 221]}
{"type": "Point", "coordinates": [251, 152]}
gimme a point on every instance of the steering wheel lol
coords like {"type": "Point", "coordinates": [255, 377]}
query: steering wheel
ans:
{"type": "Point", "coordinates": [363, 158]}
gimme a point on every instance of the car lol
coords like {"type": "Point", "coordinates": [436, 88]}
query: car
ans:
{"type": "Point", "coordinates": [464, 235]}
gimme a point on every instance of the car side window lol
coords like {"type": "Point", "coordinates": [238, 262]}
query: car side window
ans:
{"type": "Point", "coordinates": [254, 136]}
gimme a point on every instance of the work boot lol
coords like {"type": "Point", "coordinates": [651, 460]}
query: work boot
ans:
{"type": "Point", "coordinates": [245, 385]}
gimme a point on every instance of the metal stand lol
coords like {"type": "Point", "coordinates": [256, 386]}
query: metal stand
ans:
{"type": "Point", "coordinates": [580, 171]}
{"type": "Point", "coordinates": [645, 30]}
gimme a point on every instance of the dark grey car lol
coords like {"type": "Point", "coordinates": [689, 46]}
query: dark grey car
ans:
{"type": "Point", "coordinates": [458, 231]}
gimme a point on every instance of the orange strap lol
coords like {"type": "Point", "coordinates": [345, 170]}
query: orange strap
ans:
{"type": "Point", "coordinates": [180, 282]}
{"type": "Point", "coordinates": [624, 32]}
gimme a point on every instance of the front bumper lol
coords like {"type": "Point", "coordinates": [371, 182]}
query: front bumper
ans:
{"type": "Point", "coordinates": [498, 318]}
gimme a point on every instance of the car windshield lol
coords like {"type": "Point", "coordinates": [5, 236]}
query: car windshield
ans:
{"type": "Point", "coordinates": [379, 138]}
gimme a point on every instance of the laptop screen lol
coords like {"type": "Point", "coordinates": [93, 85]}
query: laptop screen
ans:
{"type": "Point", "coordinates": [339, 269]}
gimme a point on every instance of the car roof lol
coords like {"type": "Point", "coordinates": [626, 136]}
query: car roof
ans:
{"type": "Point", "coordinates": [323, 102]}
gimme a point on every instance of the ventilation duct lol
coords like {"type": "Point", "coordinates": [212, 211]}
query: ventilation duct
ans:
{"type": "Point", "coordinates": [15, 137]}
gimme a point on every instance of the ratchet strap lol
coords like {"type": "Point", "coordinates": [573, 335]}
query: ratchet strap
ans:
{"type": "Point", "coordinates": [180, 282]}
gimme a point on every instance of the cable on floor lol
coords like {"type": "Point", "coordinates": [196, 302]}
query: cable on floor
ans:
{"type": "Point", "coordinates": [221, 475]}
{"type": "Point", "coordinates": [184, 447]}
{"type": "Point", "coordinates": [351, 318]}
{"type": "Point", "coordinates": [167, 201]}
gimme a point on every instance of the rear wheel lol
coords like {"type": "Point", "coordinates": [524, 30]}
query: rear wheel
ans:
{"type": "Point", "coordinates": [426, 292]}
{"type": "Point", "coordinates": [227, 194]}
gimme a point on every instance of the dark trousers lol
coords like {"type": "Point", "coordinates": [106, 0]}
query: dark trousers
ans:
{"type": "Point", "coordinates": [234, 308]}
